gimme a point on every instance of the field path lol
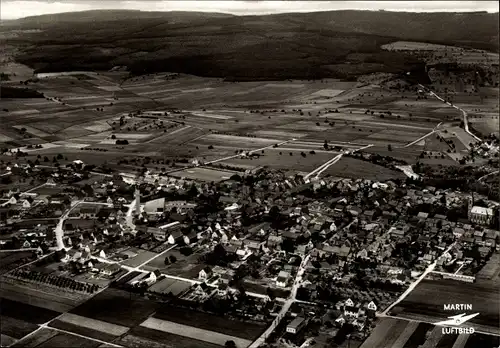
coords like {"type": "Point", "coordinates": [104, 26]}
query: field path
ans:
{"type": "Point", "coordinates": [464, 113]}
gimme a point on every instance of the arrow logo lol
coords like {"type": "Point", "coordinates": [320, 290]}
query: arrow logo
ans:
{"type": "Point", "coordinates": [457, 320]}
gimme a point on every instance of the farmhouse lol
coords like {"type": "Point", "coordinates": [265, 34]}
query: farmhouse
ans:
{"type": "Point", "coordinates": [205, 273]}
{"type": "Point", "coordinates": [282, 280]}
{"type": "Point", "coordinates": [296, 325]}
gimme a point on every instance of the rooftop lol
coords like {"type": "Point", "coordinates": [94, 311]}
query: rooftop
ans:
{"type": "Point", "coordinates": [481, 210]}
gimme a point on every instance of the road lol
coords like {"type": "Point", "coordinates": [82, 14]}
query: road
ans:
{"type": "Point", "coordinates": [330, 162]}
{"type": "Point", "coordinates": [286, 306]}
{"type": "Point", "coordinates": [59, 230]}
{"type": "Point", "coordinates": [464, 113]}
{"type": "Point", "coordinates": [129, 218]}
{"type": "Point", "coordinates": [408, 170]}
{"type": "Point", "coordinates": [485, 176]}
{"type": "Point", "coordinates": [248, 152]}
{"type": "Point", "coordinates": [424, 136]}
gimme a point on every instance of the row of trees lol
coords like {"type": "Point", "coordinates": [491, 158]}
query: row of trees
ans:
{"type": "Point", "coordinates": [58, 281]}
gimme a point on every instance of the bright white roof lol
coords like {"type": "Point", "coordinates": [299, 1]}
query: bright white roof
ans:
{"type": "Point", "coordinates": [481, 210]}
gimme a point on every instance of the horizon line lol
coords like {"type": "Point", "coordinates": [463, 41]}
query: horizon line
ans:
{"type": "Point", "coordinates": [246, 14]}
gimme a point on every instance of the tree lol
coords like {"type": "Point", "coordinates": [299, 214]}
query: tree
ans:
{"type": "Point", "coordinates": [167, 260]}
{"type": "Point", "coordinates": [230, 344]}
{"type": "Point", "coordinates": [113, 136]}
{"type": "Point", "coordinates": [389, 147]}
{"type": "Point", "coordinates": [325, 145]}
{"type": "Point", "coordinates": [173, 259]}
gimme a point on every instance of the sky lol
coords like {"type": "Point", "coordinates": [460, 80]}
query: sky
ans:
{"type": "Point", "coordinates": [13, 9]}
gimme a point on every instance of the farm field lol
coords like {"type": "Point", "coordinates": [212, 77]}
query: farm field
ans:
{"type": "Point", "coordinates": [19, 319]}
{"type": "Point", "coordinates": [184, 266]}
{"type": "Point", "coordinates": [143, 337]}
{"type": "Point", "coordinates": [64, 340]}
{"type": "Point", "coordinates": [79, 329]}
{"type": "Point", "coordinates": [193, 332]}
{"type": "Point", "coordinates": [429, 297]}
{"type": "Point", "coordinates": [26, 312]}
{"type": "Point", "coordinates": [37, 338]}
{"type": "Point", "coordinates": [385, 333]}
{"type": "Point", "coordinates": [215, 118]}
{"type": "Point", "coordinates": [272, 158]}
{"type": "Point", "coordinates": [399, 333]}
{"type": "Point", "coordinates": [357, 169]}
{"type": "Point", "coordinates": [491, 271]}
{"type": "Point", "coordinates": [116, 306]}
{"type": "Point", "coordinates": [210, 322]}
{"type": "Point", "coordinates": [203, 174]}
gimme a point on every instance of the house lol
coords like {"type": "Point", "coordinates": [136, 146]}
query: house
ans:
{"type": "Point", "coordinates": [205, 273]}
{"type": "Point", "coordinates": [397, 232]}
{"type": "Point", "coordinates": [26, 204]}
{"type": "Point", "coordinates": [422, 216]}
{"type": "Point", "coordinates": [222, 289]}
{"type": "Point", "coordinates": [371, 307]}
{"type": "Point", "coordinates": [296, 325]}
{"type": "Point", "coordinates": [368, 215]}
{"type": "Point", "coordinates": [108, 269]}
{"type": "Point", "coordinates": [274, 240]}
{"type": "Point", "coordinates": [88, 211]}
{"type": "Point", "coordinates": [202, 290]}
{"type": "Point", "coordinates": [252, 244]}
{"type": "Point", "coordinates": [174, 237]}
{"type": "Point", "coordinates": [157, 233]}
{"type": "Point", "coordinates": [225, 278]}
{"type": "Point", "coordinates": [191, 237]}
{"type": "Point", "coordinates": [282, 279]}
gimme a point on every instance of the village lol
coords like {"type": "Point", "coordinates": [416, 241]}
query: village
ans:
{"type": "Point", "coordinates": [330, 254]}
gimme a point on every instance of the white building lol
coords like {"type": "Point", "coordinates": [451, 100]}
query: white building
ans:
{"type": "Point", "coordinates": [481, 215]}
{"type": "Point", "coordinates": [296, 325]}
